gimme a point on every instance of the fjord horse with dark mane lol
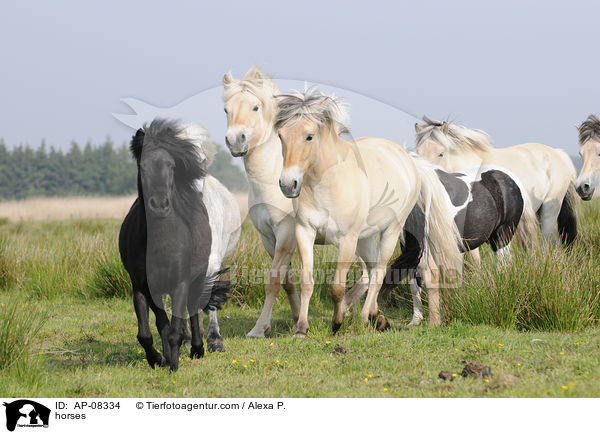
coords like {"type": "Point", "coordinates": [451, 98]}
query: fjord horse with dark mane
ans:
{"type": "Point", "coordinates": [165, 241]}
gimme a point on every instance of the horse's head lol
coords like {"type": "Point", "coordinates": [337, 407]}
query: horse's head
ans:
{"type": "Point", "coordinates": [168, 159]}
{"type": "Point", "coordinates": [250, 108]}
{"type": "Point", "coordinates": [303, 122]}
{"type": "Point", "coordinates": [589, 149]}
{"type": "Point", "coordinates": [450, 146]}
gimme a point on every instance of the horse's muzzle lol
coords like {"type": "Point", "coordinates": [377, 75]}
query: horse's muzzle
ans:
{"type": "Point", "coordinates": [160, 206]}
{"type": "Point", "coordinates": [290, 182]}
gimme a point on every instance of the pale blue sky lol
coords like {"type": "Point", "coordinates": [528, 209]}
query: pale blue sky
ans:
{"type": "Point", "coordinates": [522, 71]}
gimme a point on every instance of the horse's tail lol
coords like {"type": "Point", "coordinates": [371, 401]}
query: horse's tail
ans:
{"type": "Point", "coordinates": [442, 239]}
{"type": "Point", "coordinates": [220, 290]}
{"type": "Point", "coordinates": [567, 218]}
{"type": "Point", "coordinates": [412, 251]}
{"type": "Point", "coordinates": [528, 227]}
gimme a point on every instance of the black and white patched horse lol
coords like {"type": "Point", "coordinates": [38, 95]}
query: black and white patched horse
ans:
{"type": "Point", "coordinates": [167, 243]}
{"type": "Point", "coordinates": [488, 202]}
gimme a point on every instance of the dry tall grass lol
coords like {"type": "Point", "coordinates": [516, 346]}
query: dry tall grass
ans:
{"type": "Point", "coordinates": [70, 208]}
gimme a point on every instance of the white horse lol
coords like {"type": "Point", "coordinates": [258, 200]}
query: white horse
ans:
{"type": "Point", "coordinates": [250, 107]}
{"type": "Point", "coordinates": [589, 150]}
{"type": "Point", "coordinates": [546, 173]}
{"type": "Point", "coordinates": [347, 192]}
{"type": "Point", "coordinates": [224, 218]}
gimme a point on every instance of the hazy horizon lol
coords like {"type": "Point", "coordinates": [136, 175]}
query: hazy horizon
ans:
{"type": "Point", "coordinates": [520, 71]}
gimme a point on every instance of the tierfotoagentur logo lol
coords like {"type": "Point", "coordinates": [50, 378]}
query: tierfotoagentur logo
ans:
{"type": "Point", "coordinates": [25, 413]}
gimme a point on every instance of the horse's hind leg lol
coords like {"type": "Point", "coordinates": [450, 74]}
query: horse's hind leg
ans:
{"type": "Point", "coordinates": [415, 292]}
{"type": "Point", "coordinates": [548, 219]}
{"type": "Point", "coordinates": [214, 340]}
{"type": "Point", "coordinates": [430, 277]}
{"type": "Point", "coordinates": [197, 350]}
{"type": "Point", "coordinates": [144, 336]}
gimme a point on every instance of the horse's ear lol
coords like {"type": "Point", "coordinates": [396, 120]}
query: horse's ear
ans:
{"type": "Point", "coordinates": [418, 128]}
{"type": "Point", "coordinates": [577, 127]}
{"type": "Point", "coordinates": [137, 142]}
{"type": "Point", "coordinates": [227, 79]}
{"type": "Point", "coordinates": [445, 127]}
{"type": "Point", "coordinates": [254, 74]}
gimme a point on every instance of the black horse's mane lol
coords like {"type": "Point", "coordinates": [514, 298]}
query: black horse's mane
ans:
{"type": "Point", "coordinates": [167, 134]}
{"type": "Point", "coordinates": [590, 129]}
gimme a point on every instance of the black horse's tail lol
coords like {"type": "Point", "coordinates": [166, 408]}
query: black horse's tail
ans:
{"type": "Point", "coordinates": [412, 250]}
{"type": "Point", "coordinates": [567, 218]}
{"type": "Point", "coordinates": [220, 290]}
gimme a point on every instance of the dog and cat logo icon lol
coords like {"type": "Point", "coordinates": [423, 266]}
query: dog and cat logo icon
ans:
{"type": "Point", "coordinates": [26, 413]}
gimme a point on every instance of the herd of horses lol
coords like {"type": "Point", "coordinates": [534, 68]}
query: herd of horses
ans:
{"type": "Point", "coordinates": [309, 183]}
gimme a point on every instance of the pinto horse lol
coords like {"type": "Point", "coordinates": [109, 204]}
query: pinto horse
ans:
{"type": "Point", "coordinates": [488, 202]}
{"type": "Point", "coordinates": [347, 192]}
{"type": "Point", "coordinates": [166, 241]}
{"type": "Point", "coordinates": [547, 174]}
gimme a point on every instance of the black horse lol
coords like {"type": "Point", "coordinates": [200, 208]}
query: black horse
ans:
{"type": "Point", "coordinates": [165, 241]}
{"type": "Point", "coordinates": [488, 205]}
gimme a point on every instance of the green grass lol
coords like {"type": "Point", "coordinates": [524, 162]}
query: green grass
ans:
{"type": "Point", "coordinates": [534, 322]}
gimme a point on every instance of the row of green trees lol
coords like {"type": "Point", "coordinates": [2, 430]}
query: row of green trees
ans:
{"type": "Point", "coordinates": [103, 169]}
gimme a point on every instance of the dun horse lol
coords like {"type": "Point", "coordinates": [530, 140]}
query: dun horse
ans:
{"type": "Point", "coordinates": [250, 107]}
{"type": "Point", "coordinates": [589, 149]}
{"type": "Point", "coordinates": [546, 173]}
{"type": "Point", "coordinates": [166, 240]}
{"type": "Point", "coordinates": [350, 191]}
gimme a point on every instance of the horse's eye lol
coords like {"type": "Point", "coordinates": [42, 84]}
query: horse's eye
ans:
{"type": "Point", "coordinates": [255, 108]}
{"type": "Point", "coordinates": [441, 155]}
{"type": "Point", "coordinates": [225, 110]}
{"type": "Point", "coordinates": [309, 138]}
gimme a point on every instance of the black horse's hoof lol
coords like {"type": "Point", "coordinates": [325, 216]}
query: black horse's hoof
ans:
{"type": "Point", "coordinates": [216, 345]}
{"type": "Point", "coordinates": [197, 352]}
{"type": "Point", "coordinates": [157, 359]}
{"type": "Point", "coordinates": [335, 327]}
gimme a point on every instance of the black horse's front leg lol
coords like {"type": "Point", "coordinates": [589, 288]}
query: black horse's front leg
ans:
{"type": "Point", "coordinates": [144, 336]}
{"type": "Point", "coordinates": [179, 299]}
{"type": "Point", "coordinates": [197, 350]}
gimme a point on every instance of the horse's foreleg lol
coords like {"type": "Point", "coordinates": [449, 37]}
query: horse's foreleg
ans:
{"type": "Point", "coordinates": [162, 324]}
{"type": "Point", "coordinates": [305, 237]}
{"type": "Point", "coordinates": [474, 256]}
{"type": "Point", "coordinates": [548, 219]}
{"type": "Point", "coordinates": [144, 336]}
{"type": "Point", "coordinates": [278, 276]}
{"type": "Point", "coordinates": [179, 300]}
{"type": "Point", "coordinates": [214, 340]}
{"type": "Point", "coordinates": [367, 254]}
{"type": "Point", "coordinates": [346, 249]}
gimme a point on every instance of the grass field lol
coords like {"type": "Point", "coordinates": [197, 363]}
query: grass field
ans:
{"type": "Point", "coordinates": [67, 327]}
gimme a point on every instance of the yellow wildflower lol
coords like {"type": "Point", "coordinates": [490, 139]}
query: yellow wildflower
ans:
{"type": "Point", "coordinates": [500, 345]}
{"type": "Point", "coordinates": [271, 344]}
{"type": "Point", "coordinates": [571, 384]}
{"type": "Point", "coordinates": [562, 353]}
{"type": "Point", "coordinates": [455, 375]}
{"type": "Point", "coordinates": [327, 342]}
{"type": "Point", "coordinates": [245, 366]}
{"type": "Point", "coordinates": [370, 375]}
{"type": "Point", "coordinates": [486, 380]}
{"type": "Point", "coordinates": [564, 387]}
{"type": "Point", "coordinates": [234, 361]}
{"type": "Point", "coordinates": [251, 360]}
{"type": "Point", "coordinates": [385, 389]}
{"type": "Point", "coordinates": [366, 379]}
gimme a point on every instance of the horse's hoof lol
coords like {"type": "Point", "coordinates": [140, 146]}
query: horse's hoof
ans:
{"type": "Point", "coordinates": [299, 335]}
{"type": "Point", "coordinates": [335, 327]}
{"type": "Point", "coordinates": [381, 323]}
{"type": "Point", "coordinates": [197, 352]}
{"type": "Point", "coordinates": [157, 359]}
{"type": "Point", "coordinates": [216, 346]}
{"type": "Point", "coordinates": [414, 323]}
{"type": "Point", "coordinates": [258, 332]}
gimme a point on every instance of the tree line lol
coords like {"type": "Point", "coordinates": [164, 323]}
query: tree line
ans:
{"type": "Point", "coordinates": [103, 169]}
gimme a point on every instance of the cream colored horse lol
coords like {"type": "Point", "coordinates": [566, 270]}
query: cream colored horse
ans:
{"type": "Point", "coordinates": [348, 192]}
{"type": "Point", "coordinates": [547, 173]}
{"type": "Point", "coordinates": [589, 149]}
{"type": "Point", "coordinates": [250, 107]}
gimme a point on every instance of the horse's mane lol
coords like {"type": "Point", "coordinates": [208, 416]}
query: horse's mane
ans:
{"type": "Point", "coordinates": [260, 85]}
{"type": "Point", "coordinates": [452, 136]}
{"type": "Point", "coordinates": [590, 129]}
{"type": "Point", "coordinates": [190, 150]}
{"type": "Point", "coordinates": [314, 106]}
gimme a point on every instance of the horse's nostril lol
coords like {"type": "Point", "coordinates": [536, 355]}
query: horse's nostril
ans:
{"type": "Point", "coordinates": [586, 187]}
{"type": "Point", "coordinates": [295, 184]}
{"type": "Point", "coordinates": [153, 202]}
{"type": "Point", "coordinates": [243, 137]}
